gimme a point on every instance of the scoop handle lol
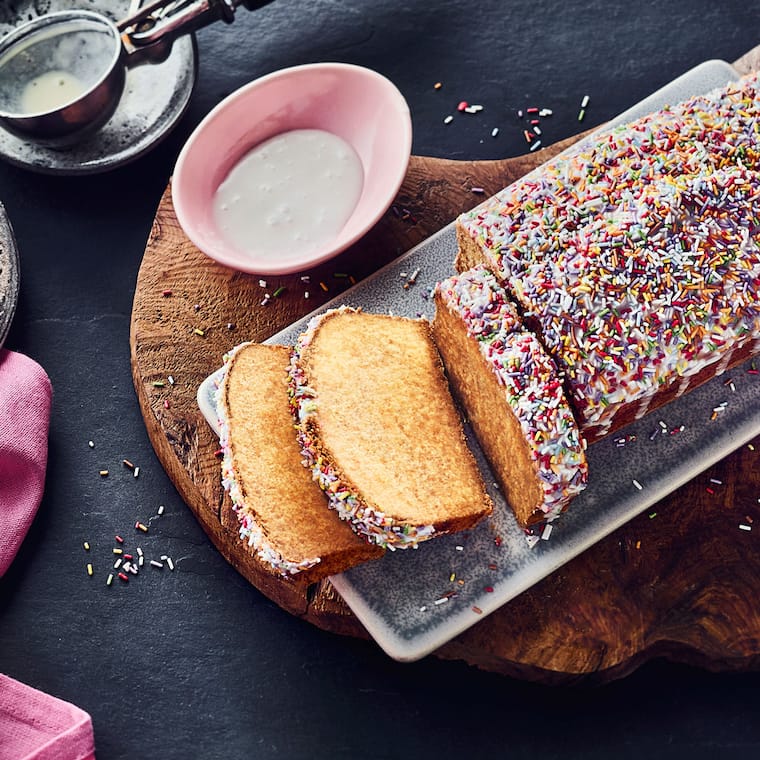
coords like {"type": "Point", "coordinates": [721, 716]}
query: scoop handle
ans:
{"type": "Point", "coordinates": [189, 18]}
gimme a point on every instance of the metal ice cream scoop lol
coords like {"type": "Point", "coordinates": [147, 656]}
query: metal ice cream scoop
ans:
{"type": "Point", "coordinates": [62, 74]}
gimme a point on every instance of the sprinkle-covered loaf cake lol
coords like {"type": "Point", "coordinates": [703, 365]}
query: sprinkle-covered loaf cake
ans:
{"type": "Point", "coordinates": [380, 431]}
{"type": "Point", "coordinates": [635, 259]}
{"type": "Point", "coordinates": [512, 394]}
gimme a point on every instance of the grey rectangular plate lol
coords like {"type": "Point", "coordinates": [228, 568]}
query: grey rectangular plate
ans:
{"type": "Point", "coordinates": [411, 602]}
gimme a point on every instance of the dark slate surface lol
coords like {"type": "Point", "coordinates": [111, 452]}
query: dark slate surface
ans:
{"type": "Point", "coordinates": [197, 663]}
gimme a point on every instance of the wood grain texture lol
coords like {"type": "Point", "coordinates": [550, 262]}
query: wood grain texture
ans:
{"type": "Point", "coordinates": [681, 586]}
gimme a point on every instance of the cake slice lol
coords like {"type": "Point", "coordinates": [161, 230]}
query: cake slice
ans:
{"type": "Point", "coordinates": [283, 514]}
{"type": "Point", "coordinates": [380, 430]}
{"type": "Point", "coordinates": [512, 394]}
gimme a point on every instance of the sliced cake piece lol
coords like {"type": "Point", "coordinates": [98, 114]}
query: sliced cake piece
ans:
{"type": "Point", "coordinates": [283, 514]}
{"type": "Point", "coordinates": [380, 430]}
{"type": "Point", "coordinates": [512, 394]}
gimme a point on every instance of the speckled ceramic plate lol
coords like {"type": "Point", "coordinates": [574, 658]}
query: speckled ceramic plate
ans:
{"type": "Point", "coordinates": [407, 600]}
{"type": "Point", "coordinates": [9, 275]}
{"type": "Point", "coordinates": [154, 99]}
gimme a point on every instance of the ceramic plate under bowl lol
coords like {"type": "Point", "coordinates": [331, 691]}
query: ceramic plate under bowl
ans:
{"type": "Point", "coordinates": [9, 275]}
{"type": "Point", "coordinates": [403, 598]}
{"type": "Point", "coordinates": [155, 97]}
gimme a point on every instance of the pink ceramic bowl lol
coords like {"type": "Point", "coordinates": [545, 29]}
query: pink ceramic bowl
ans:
{"type": "Point", "coordinates": [357, 104]}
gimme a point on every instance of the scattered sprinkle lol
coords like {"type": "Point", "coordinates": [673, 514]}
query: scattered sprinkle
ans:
{"type": "Point", "coordinates": [531, 540]}
{"type": "Point", "coordinates": [89, 569]}
{"type": "Point", "coordinates": [109, 580]}
{"type": "Point", "coordinates": [200, 332]}
{"type": "Point", "coordinates": [86, 545]}
{"type": "Point", "coordinates": [104, 473]}
{"type": "Point", "coordinates": [448, 119]}
{"type": "Point", "coordinates": [140, 526]}
{"type": "Point", "coordinates": [637, 484]}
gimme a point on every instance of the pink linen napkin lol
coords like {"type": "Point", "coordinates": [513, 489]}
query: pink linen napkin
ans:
{"type": "Point", "coordinates": [36, 726]}
{"type": "Point", "coordinates": [25, 399]}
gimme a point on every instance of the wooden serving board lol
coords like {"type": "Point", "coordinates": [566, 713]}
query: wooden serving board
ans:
{"type": "Point", "coordinates": [682, 586]}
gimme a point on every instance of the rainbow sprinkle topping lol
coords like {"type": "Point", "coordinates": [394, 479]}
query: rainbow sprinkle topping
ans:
{"type": "Point", "coordinates": [636, 257]}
